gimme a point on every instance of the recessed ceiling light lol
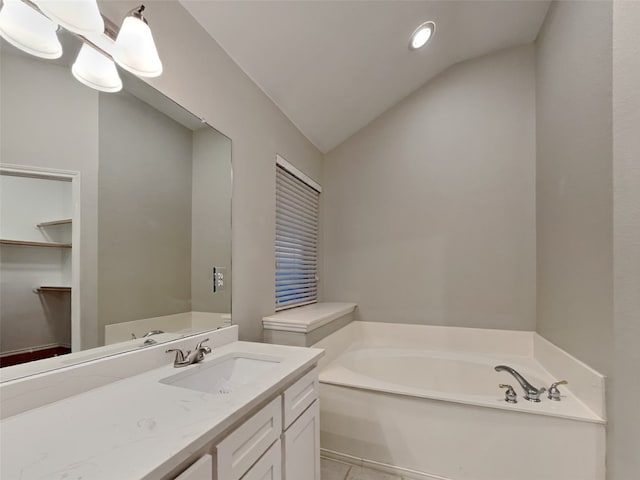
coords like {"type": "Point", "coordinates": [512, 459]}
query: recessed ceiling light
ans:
{"type": "Point", "coordinates": [421, 35]}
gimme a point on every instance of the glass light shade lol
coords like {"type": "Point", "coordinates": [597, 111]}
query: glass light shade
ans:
{"type": "Point", "coordinates": [135, 49]}
{"type": "Point", "coordinates": [28, 30]}
{"type": "Point", "coordinates": [95, 70]}
{"type": "Point", "coordinates": [78, 16]}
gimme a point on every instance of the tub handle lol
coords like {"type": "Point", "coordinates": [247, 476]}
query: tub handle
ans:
{"type": "Point", "coordinates": [554, 393]}
{"type": "Point", "coordinates": [510, 396]}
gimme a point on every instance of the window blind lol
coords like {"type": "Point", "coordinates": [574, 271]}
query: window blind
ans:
{"type": "Point", "coordinates": [297, 210]}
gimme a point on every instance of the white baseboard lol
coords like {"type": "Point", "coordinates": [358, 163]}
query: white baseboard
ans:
{"type": "Point", "coordinates": [405, 473]}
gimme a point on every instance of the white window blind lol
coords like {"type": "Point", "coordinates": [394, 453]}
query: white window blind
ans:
{"type": "Point", "coordinates": [297, 210]}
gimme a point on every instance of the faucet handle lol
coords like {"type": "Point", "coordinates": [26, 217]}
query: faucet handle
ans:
{"type": "Point", "coordinates": [510, 395]}
{"type": "Point", "coordinates": [206, 348]}
{"type": "Point", "coordinates": [554, 392]}
{"type": "Point", "coordinates": [180, 355]}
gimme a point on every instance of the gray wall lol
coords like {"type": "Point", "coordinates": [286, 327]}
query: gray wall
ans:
{"type": "Point", "coordinates": [574, 180]}
{"type": "Point", "coordinates": [211, 220]}
{"type": "Point", "coordinates": [144, 212]}
{"type": "Point", "coordinates": [199, 75]}
{"type": "Point", "coordinates": [429, 212]}
{"type": "Point", "coordinates": [624, 429]}
{"type": "Point", "coordinates": [57, 131]}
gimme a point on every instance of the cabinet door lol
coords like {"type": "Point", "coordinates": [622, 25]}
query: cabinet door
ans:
{"type": "Point", "coordinates": [249, 441]}
{"type": "Point", "coordinates": [302, 446]}
{"type": "Point", "coordinates": [201, 470]}
{"type": "Point", "coordinates": [269, 467]}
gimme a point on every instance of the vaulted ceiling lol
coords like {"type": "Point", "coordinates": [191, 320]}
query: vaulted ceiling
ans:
{"type": "Point", "coordinates": [334, 66]}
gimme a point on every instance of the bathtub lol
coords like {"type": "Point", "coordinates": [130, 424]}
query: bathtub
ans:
{"type": "Point", "coordinates": [423, 402]}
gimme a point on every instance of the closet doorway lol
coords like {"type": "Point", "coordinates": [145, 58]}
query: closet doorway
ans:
{"type": "Point", "coordinates": [39, 263]}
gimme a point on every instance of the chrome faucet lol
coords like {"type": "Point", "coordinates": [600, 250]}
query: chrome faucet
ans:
{"type": "Point", "coordinates": [150, 341]}
{"type": "Point", "coordinates": [148, 334]}
{"type": "Point", "coordinates": [152, 332]}
{"type": "Point", "coordinates": [531, 393]}
{"type": "Point", "coordinates": [184, 359]}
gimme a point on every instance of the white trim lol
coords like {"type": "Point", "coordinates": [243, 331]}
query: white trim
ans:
{"type": "Point", "coordinates": [297, 173]}
{"type": "Point", "coordinates": [73, 177]}
{"type": "Point", "coordinates": [405, 473]}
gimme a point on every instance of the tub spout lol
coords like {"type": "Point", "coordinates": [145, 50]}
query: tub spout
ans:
{"type": "Point", "coordinates": [531, 393]}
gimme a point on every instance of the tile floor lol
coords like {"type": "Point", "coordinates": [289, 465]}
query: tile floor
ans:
{"type": "Point", "coordinates": [332, 470]}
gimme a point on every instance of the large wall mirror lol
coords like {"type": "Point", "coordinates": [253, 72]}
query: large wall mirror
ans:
{"type": "Point", "coordinates": [115, 217]}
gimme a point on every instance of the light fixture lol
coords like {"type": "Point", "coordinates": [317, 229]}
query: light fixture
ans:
{"type": "Point", "coordinates": [135, 49]}
{"type": "Point", "coordinates": [95, 70]}
{"type": "Point", "coordinates": [421, 35]}
{"type": "Point", "coordinates": [26, 29]}
{"type": "Point", "coordinates": [78, 16]}
{"type": "Point", "coordinates": [35, 32]}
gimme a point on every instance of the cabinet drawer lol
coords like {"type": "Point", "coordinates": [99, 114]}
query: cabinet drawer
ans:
{"type": "Point", "coordinates": [244, 446]}
{"type": "Point", "coordinates": [299, 396]}
{"type": "Point", "coordinates": [269, 467]}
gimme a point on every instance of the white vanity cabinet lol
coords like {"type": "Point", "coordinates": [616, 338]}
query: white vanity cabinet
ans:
{"type": "Point", "coordinates": [279, 442]}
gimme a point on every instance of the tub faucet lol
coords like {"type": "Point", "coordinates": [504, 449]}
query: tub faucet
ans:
{"type": "Point", "coordinates": [148, 334]}
{"type": "Point", "coordinates": [531, 393]}
{"type": "Point", "coordinates": [152, 332]}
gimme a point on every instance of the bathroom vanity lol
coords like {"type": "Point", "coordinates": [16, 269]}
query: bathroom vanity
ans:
{"type": "Point", "coordinates": [279, 441]}
{"type": "Point", "coordinates": [247, 411]}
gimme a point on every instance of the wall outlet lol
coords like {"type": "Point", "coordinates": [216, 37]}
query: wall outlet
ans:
{"type": "Point", "coordinates": [219, 279]}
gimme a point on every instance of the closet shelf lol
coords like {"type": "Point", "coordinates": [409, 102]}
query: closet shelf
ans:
{"type": "Point", "coordinates": [53, 289]}
{"type": "Point", "coordinates": [65, 221]}
{"type": "Point", "coordinates": [24, 243]}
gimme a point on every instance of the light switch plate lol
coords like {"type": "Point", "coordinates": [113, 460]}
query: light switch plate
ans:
{"type": "Point", "coordinates": [219, 274]}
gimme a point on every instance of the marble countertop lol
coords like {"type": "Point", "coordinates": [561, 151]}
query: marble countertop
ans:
{"type": "Point", "coordinates": [136, 428]}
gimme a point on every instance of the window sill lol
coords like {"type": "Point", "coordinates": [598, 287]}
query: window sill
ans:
{"type": "Point", "coordinates": [307, 318]}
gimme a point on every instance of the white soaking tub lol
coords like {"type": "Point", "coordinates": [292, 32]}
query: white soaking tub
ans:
{"type": "Point", "coordinates": [424, 402]}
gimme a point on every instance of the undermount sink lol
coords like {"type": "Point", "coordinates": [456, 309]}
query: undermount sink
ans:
{"type": "Point", "coordinates": [223, 375]}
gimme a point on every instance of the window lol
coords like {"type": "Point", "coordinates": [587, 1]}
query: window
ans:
{"type": "Point", "coordinates": [297, 210]}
